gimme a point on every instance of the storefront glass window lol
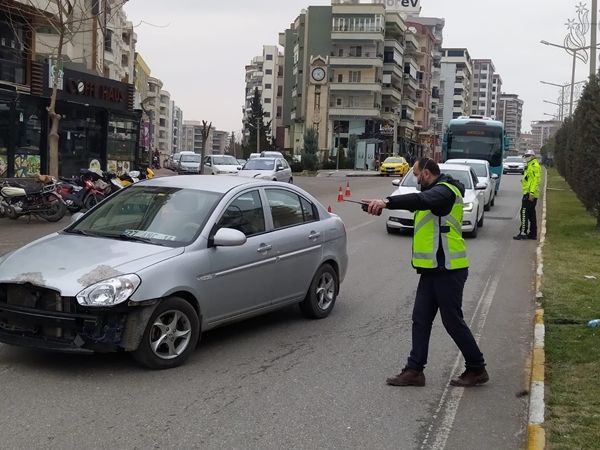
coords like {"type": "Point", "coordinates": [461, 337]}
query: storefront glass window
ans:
{"type": "Point", "coordinates": [80, 144]}
{"type": "Point", "coordinates": [4, 137]}
{"type": "Point", "coordinates": [121, 144]}
{"type": "Point", "coordinates": [28, 139]}
{"type": "Point", "coordinates": [13, 57]}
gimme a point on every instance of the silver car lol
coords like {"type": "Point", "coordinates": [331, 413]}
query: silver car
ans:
{"type": "Point", "coordinates": [275, 169]}
{"type": "Point", "coordinates": [157, 263]}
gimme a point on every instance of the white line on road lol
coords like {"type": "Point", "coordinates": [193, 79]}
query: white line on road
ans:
{"type": "Point", "coordinates": [362, 225]}
{"type": "Point", "coordinates": [450, 400]}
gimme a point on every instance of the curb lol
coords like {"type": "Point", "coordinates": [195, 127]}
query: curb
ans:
{"type": "Point", "coordinates": [536, 435]}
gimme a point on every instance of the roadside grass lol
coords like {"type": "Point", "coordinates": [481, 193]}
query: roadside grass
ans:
{"type": "Point", "coordinates": [572, 252]}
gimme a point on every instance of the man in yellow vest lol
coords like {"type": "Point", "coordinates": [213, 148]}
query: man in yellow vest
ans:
{"type": "Point", "coordinates": [440, 257]}
{"type": "Point", "coordinates": [531, 192]}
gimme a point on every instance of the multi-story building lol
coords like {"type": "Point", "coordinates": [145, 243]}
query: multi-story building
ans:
{"type": "Point", "coordinates": [483, 85]}
{"type": "Point", "coordinates": [527, 141]}
{"type": "Point", "coordinates": [456, 83]}
{"type": "Point", "coordinates": [176, 128]}
{"type": "Point", "coordinates": [163, 125]}
{"type": "Point", "coordinates": [192, 137]}
{"type": "Point", "coordinates": [119, 44]}
{"type": "Point", "coordinates": [496, 93]}
{"type": "Point", "coordinates": [263, 74]}
{"type": "Point", "coordinates": [220, 141]}
{"type": "Point", "coordinates": [542, 131]}
{"type": "Point", "coordinates": [511, 113]}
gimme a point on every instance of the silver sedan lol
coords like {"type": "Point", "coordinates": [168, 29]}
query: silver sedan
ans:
{"type": "Point", "coordinates": [275, 169]}
{"type": "Point", "coordinates": [150, 268]}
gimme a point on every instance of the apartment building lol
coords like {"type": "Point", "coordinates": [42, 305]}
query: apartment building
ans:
{"type": "Point", "coordinates": [176, 128]}
{"type": "Point", "coordinates": [456, 81]}
{"type": "Point", "coordinates": [119, 44]}
{"type": "Point", "coordinates": [542, 131]}
{"type": "Point", "coordinates": [496, 93]}
{"type": "Point", "coordinates": [192, 137]}
{"type": "Point", "coordinates": [484, 71]}
{"type": "Point", "coordinates": [219, 142]}
{"type": "Point", "coordinates": [263, 74]}
{"type": "Point", "coordinates": [511, 113]}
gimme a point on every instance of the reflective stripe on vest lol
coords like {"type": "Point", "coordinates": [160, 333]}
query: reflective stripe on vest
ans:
{"type": "Point", "coordinates": [430, 230]}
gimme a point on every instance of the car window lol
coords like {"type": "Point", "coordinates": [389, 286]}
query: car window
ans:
{"type": "Point", "coordinates": [474, 177]}
{"type": "Point", "coordinates": [460, 175]}
{"type": "Point", "coordinates": [260, 164]}
{"type": "Point", "coordinates": [225, 160]}
{"type": "Point", "coordinates": [409, 180]}
{"type": "Point", "coordinates": [286, 208]}
{"type": "Point", "coordinates": [514, 159]}
{"type": "Point", "coordinates": [309, 210]}
{"type": "Point", "coordinates": [393, 160]}
{"type": "Point", "coordinates": [279, 165]}
{"type": "Point", "coordinates": [245, 214]}
{"type": "Point", "coordinates": [480, 169]}
{"type": "Point", "coordinates": [207, 160]}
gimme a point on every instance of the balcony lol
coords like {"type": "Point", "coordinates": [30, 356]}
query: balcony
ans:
{"type": "Point", "coordinates": [358, 111]}
{"type": "Point", "coordinates": [407, 123]}
{"type": "Point", "coordinates": [355, 87]}
{"type": "Point", "coordinates": [409, 103]}
{"type": "Point", "coordinates": [356, 61]}
{"type": "Point", "coordinates": [393, 92]}
{"type": "Point", "coordinates": [411, 41]}
{"type": "Point", "coordinates": [411, 82]}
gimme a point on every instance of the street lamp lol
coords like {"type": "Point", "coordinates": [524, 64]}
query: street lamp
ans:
{"type": "Point", "coordinates": [574, 50]}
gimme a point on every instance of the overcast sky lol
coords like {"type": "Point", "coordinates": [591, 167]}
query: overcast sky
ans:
{"type": "Point", "coordinates": [201, 47]}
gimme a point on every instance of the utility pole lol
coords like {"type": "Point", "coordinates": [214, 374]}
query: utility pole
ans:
{"type": "Point", "coordinates": [258, 135]}
{"type": "Point", "coordinates": [594, 37]}
{"type": "Point", "coordinates": [573, 77]}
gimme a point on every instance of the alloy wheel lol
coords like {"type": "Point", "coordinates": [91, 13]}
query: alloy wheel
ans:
{"type": "Point", "coordinates": [170, 334]}
{"type": "Point", "coordinates": [325, 291]}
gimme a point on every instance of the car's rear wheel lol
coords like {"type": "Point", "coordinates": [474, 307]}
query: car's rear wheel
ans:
{"type": "Point", "coordinates": [322, 293]}
{"type": "Point", "coordinates": [170, 336]}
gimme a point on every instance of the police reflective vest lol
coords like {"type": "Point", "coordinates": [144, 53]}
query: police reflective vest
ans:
{"type": "Point", "coordinates": [432, 230]}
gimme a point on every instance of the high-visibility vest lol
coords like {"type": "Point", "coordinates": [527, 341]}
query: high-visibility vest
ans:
{"type": "Point", "coordinates": [431, 231]}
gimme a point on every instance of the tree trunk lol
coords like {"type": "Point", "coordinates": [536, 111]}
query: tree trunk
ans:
{"type": "Point", "coordinates": [53, 141]}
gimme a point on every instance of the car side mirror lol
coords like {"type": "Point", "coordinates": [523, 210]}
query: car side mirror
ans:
{"type": "Point", "coordinates": [75, 217]}
{"type": "Point", "coordinates": [481, 186]}
{"type": "Point", "coordinates": [495, 176]}
{"type": "Point", "coordinates": [396, 183]}
{"type": "Point", "coordinates": [228, 237]}
{"type": "Point", "coordinates": [239, 167]}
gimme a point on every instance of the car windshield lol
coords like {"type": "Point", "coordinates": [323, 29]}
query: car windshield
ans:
{"type": "Point", "coordinates": [190, 158]}
{"type": "Point", "coordinates": [463, 176]}
{"type": "Point", "coordinates": [476, 142]}
{"type": "Point", "coordinates": [480, 169]}
{"type": "Point", "coordinates": [409, 180]}
{"type": "Point", "coordinates": [394, 161]}
{"type": "Point", "coordinates": [166, 216]}
{"type": "Point", "coordinates": [513, 159]}
{"type": "Point", "coordinates": [260, 164]}
{"type": "Point", "coordinates": [225, 161]}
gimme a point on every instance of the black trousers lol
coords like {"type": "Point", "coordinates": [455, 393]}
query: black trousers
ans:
{"type": "Point", "coordinates": [528, 217]}
{"type": "Point", "coordinates": [443, 291]}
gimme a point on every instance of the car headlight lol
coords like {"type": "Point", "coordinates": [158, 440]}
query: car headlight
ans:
{"type": "Point", "coordinates": [468, 207]}
{"type": "Point", "coordinates": [109, 292]}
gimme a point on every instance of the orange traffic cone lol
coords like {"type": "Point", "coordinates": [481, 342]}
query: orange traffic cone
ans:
{"type": "Point", "coordinates": [348, 194]}
{"type": "Point", "coordinates": [340, 195]}
{"type": "Point", "coordinates": [329, 210]}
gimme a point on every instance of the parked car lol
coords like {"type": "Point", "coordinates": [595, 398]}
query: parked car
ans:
{"type": "Point", "coordinates": [484, 175]}
{"type": "Point", "coordinates": [241, 162]}
{"type": "Point", "coordinates": [173, 161]}
{"type": "Point", "coordinates": [153, 266]}
{"type": "Point", "coordinates": [220, 165]}
{"type": "Point", "coordinates": [394, 165]}
{"type": "Point", "coordinates": [513, 164]}
{"type": "Point", "coordinates": [473, 199]}
{"type": "Point", "coordinates": [270, 154]}
{"type": "Point", "coordinates": [254, 155]}
{"type": "Point", "coordinates": [276, 169]}
{"type": "Point", "coordinates": [188, 163]}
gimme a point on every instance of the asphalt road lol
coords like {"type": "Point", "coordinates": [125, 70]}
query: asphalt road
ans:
{"type": "Point", "coordinates": [281, 381]}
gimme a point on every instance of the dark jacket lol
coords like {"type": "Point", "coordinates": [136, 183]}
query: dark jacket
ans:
{"type": "Point", "coordinates": [438, 199]}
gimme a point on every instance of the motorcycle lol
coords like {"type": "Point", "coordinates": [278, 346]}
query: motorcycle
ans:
{"type": "Point", "coordinates": [82, 193]}
{"type": "Point", "coordinates": [127, 179]}
{"type": "Point", "coordinates": [17, 199]}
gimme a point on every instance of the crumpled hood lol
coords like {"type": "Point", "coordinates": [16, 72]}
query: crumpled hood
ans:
{"type": "Point", "coordinates": [70, 263]}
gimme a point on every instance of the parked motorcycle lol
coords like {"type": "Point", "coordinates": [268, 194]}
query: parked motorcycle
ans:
{"type": "Point", "coordinates": [39, 199]}
{"type": "Point", "coordinates": [84, 192]}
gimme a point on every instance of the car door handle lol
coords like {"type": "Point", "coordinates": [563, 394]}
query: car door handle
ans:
{"type": "Point", "coordinates": [314, 235]}
{"type": "Point", "coordinates": [264, 248]}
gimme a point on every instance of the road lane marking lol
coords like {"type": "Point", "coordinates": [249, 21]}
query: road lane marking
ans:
{"type": "Point", "coordinates": [362, 225]}
{"type": "Point", "coordinates": [451, 397]}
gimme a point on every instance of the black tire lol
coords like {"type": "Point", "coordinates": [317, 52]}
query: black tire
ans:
{"type": "Point", "coordinates": [148, 357]}
{"type": "Point", "coordinates": [473, 234]}
{"type": "Point", "coordinates": [488, 206]}
{"type": "Point", "coordinates": [58, 209]}
{"type": "Point", "coordinates": [91, 200]}
{"type": "Point", "coordinates": [314, 306]}
{"type": "Point", "coordinates": [480, 221]}
{"type": "Point", "coordinates": [291, 180]}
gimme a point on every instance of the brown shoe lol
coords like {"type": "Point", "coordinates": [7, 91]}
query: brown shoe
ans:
{"type": "Point", "coordinates": [470, 378]}
{"type": "Point", "coordinates": [408, 377]}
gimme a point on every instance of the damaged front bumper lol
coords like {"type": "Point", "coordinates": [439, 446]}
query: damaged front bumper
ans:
{"type": "Point", "coordinates": [37, 317]}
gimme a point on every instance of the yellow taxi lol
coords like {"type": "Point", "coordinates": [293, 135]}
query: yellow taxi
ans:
{"type": "Point", "coordinates": [394, 165]}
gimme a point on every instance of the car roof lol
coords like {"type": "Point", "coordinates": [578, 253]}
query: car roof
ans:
{"type": "Point", "coordinates": [221, 184]}
{"type": "Point", "coordinates": [454, 167]}
{"type": "Point", "coordinates": [467, 161]}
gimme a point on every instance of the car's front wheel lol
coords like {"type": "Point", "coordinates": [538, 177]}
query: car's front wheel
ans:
{"type": "Point", "coordinates": [322, 293]}
{"type": "Point", "coordinates": [170, 336]}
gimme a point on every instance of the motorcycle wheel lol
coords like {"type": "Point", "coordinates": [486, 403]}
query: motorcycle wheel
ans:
{"type": "Point", "coordinates": [91, 201]}
{"type": "Point", "coordinates": [56, 208]}
{"type": "Point", "coordinates": [11, 213]}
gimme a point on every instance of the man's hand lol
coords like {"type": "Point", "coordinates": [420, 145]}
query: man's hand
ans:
{"type": "Point", "coordinates": [375, 206]}
{"type": "Point", "coordinates": [531, 198]}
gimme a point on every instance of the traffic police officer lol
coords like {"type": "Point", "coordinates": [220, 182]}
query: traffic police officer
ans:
{"type": "Point", "coordinates": [531, 192]}
{"type": "Point", "coordinates": [440, 257]}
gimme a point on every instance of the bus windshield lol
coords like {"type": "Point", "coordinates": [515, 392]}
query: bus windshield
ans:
{"type": "Point", "coordinates": [476, 142]}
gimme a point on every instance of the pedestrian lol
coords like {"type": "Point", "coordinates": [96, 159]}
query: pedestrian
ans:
{"type": "Point", "coordinates": [531, 192]}
{"type": "Point", "coordinates": [439, 256]}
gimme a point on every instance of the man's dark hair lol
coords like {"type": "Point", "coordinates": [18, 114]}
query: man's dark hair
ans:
{"type": "Point", "coordinates": [431, 165]}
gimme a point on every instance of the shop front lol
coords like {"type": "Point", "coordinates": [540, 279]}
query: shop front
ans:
{"type": "Point", "coordinates": [98, 128]}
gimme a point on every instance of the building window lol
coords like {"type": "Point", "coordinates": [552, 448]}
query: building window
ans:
{"type": "Point", "coordinates": [268, 86]}
{"type": "Point", "coordinates": [458, 91]}
{"type": "Point", "coordinates": [267, 114]}
{"type": "Point", "coordinates": [279, 91]}
{"type": "Point", "coordinates": [267, 100]}
{"type": "Point", "coordinates": [269, 57]}
{"type": "Point", "coordinates": [354, 77]}
{"type": "Point", "coordinates": [356, 51]}
{"type": "Point", "coordinates": [475, 103]}
{"type": "Point", "coordinates": [340, 78]}
{"type": "Point", "coordinates": [458, 103]}
{"type": "Point", "coordinates": [456, 53]}
{"type": "Point", "coordinates": [279, 112]}
{"type": "Point", "coordinates": [338, 102]}
{"type": "Point", "coordinates": [269, 72]}
{"type": "Point", "coordinates": [108, 41]}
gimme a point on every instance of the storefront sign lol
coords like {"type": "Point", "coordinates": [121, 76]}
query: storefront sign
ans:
{"type": "Point", "coordinates": [401, 6]}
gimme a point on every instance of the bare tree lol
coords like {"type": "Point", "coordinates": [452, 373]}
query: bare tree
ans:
{"type": "Point", "coordinates": [205, 135]}
{"type": "Point", "coordinates": [64, 19]}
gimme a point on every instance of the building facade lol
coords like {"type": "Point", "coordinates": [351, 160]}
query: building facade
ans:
{"type": "Point", "coordinates": [220, 141]}
{"type": "Point", "coordinates": [542, 131]}
{"type": "Point", "coordinates": [192, 137]}
{"type": "Point", "coordinates": [119, 44]}
{"type": "Point", "coordinates": [496, 93]}
{"type": "Point", "coordinates": [176, 128]}
{"type": "Point", "coordinates": [484, 71]}
{"type": "Point", "coordinates": [511, 114]}
{"type": "Point", "coordinates": [456, 83]}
